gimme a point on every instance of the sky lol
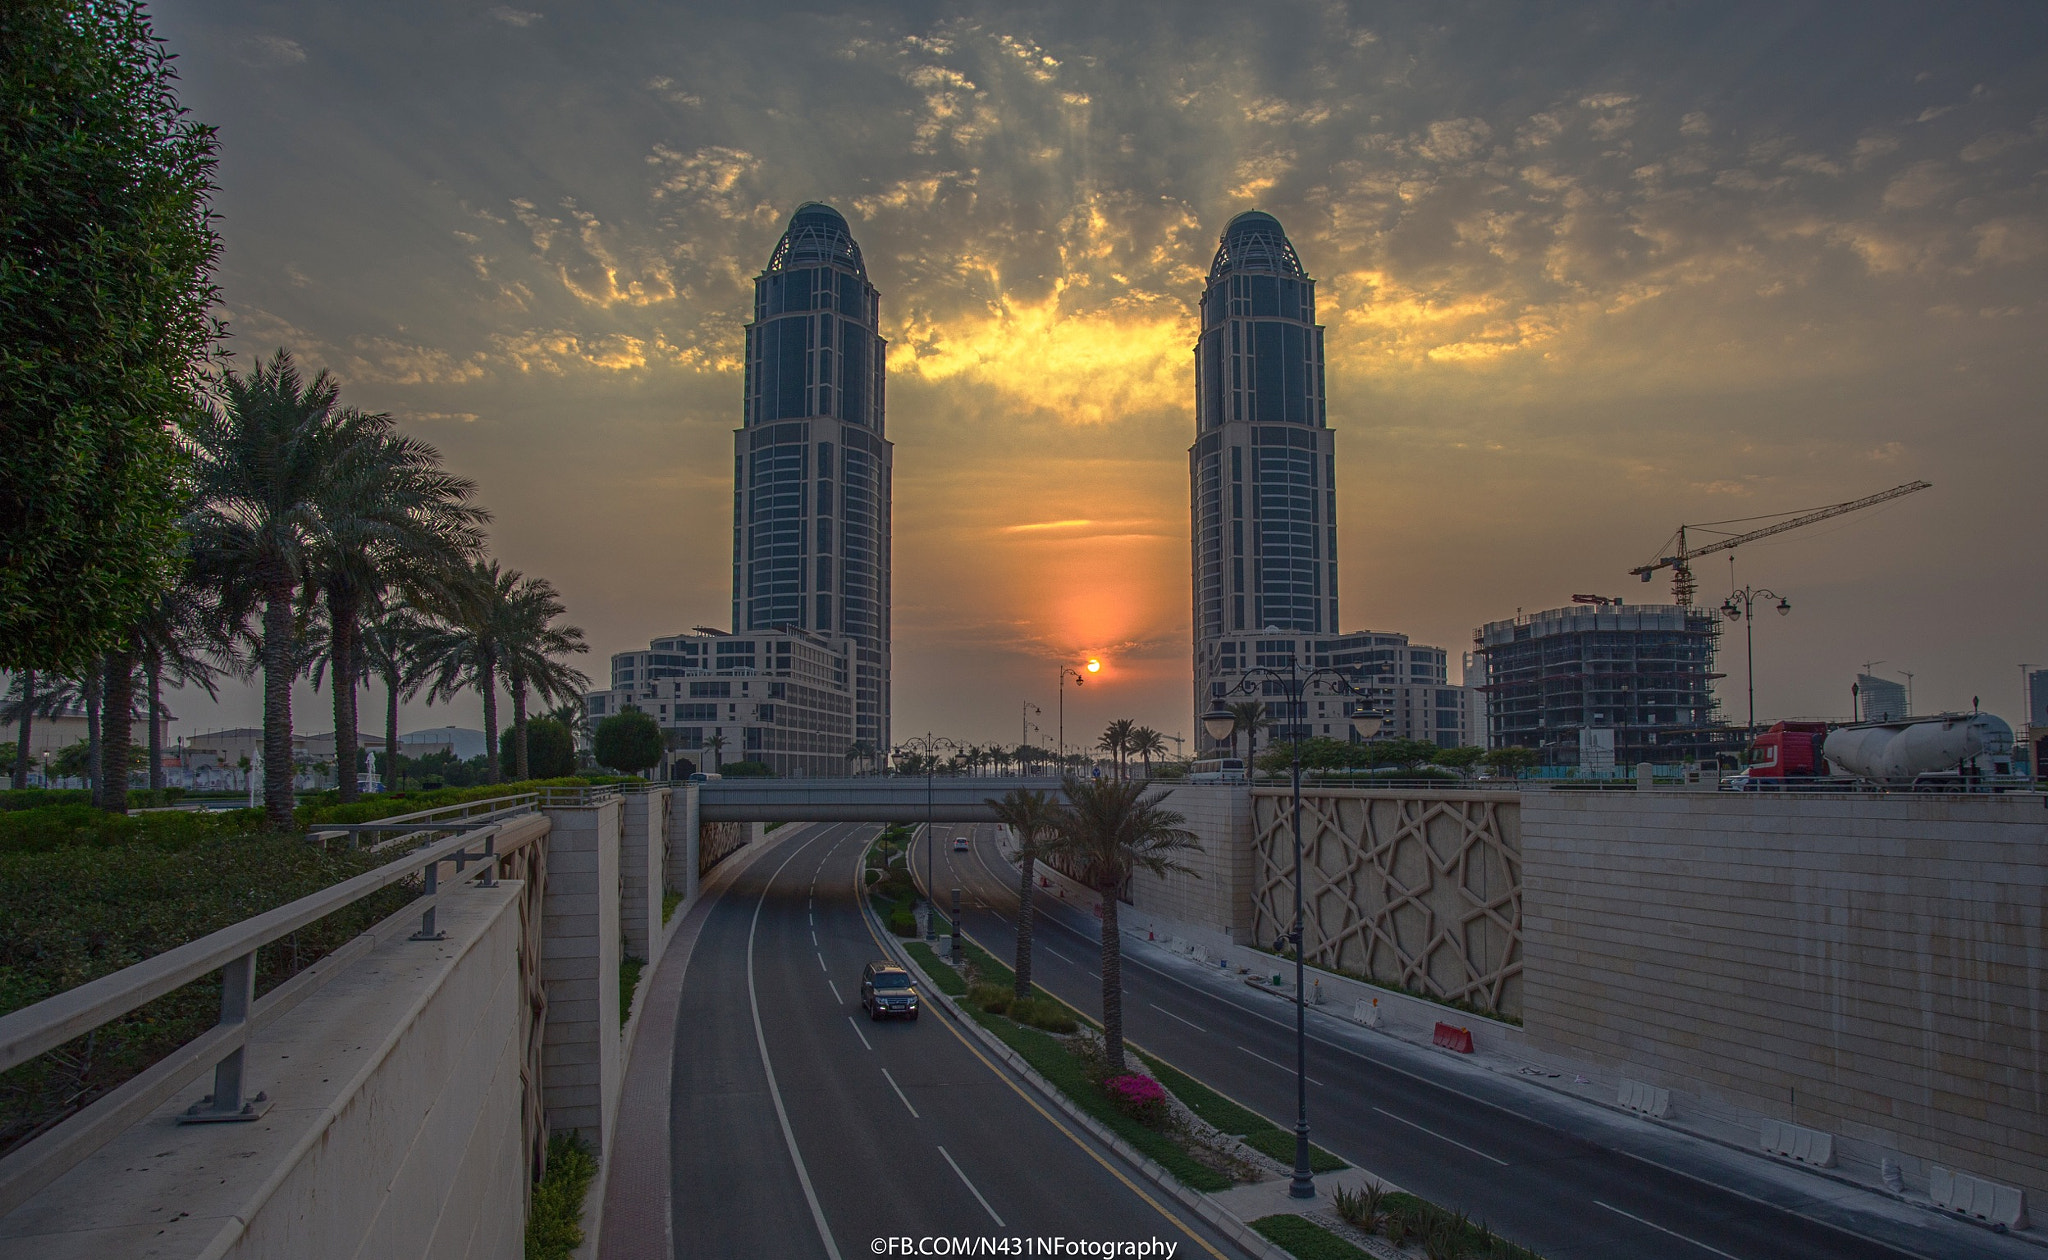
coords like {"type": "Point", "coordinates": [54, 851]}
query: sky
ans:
{"type": "Point", "coordinates": [1588, 272]}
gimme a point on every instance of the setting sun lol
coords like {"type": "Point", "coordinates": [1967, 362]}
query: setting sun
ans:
{"type": "Point", "coordinates": [1094, 666]}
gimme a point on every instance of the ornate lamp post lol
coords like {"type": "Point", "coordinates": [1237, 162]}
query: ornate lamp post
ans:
{"type": "Point", "coordinates": [1741, 606]}
{"type": "Point", "coordinates": [929, 747]}
{"type": "Point", "coordinates": [1220, 723]}
{"type": "Point", "coordinates": [1080, 678]}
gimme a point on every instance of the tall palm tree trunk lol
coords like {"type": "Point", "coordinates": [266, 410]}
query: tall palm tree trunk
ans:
{"type": "Point", "coordinates": [390, 729]}
{"type": "Point", "coordinates": [341, 659]}
{"type": "Point", "coordinates": [519, 764]}
{"type": "Point", "coordinates": [28, 700]}
{"type": "Point", "coordinates": [93, 692]}
{"type": "Point", "coordinates": [1112, 983]}
{"type": "Point", "coordinates": [487, 679]}
{"type": "Point", "coordinates": [1023, 967]}
{"type": "Point", "coordinates": [278, 673]}
{"type": "Point", "coordinates": [117, 733]}
{"type": "Point", "coordinates": [155, 673]}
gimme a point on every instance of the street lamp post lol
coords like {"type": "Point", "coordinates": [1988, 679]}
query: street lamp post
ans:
{"type": "Point", "coordinates": [1220, 723]}
{"type": "Point", "coordinates": [1080, 679]}
{"type": "Point", "coordinates": [1024, 735]}
{"type": "Point", "coordinates": [1741, 606]}
{"type": "Point", "coordinates": [929, 746]}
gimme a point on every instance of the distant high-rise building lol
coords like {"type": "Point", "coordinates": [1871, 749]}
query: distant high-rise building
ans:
{"type": "Point", "coordinates": [1880, 699]}
{"type": "Point", "coordinates": [1263, 492]}
{"type": "Point", "coordinates": [812, 467]}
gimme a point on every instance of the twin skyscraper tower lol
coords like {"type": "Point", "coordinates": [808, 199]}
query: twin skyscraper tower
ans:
{"type": "Point", "coordinates": [801, 684]}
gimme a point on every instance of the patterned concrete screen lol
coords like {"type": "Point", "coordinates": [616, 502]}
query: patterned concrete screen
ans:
{"type": "Point", "coordinates": [720, 841]}
{"type": "Point", "coordinates": [1422, 890]}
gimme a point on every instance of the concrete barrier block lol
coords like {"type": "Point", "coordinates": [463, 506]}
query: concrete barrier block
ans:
{"type": "Point", "coordinates": [1647, 1099]}
{"type": "Point", "coordinates": [1367, 1012]}
{"type": "Point", "coordinates": [1975, 1197]}
{"type": "Point", "coordinates": [1791, 1141]}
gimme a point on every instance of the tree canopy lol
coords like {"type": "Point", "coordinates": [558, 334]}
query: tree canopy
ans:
{"type": "Point", "coordinates": [550, 750]}
{"type": "Point", "coordinates": [107, 247]}
{"type": "Point", "coordinates": [628, 742]}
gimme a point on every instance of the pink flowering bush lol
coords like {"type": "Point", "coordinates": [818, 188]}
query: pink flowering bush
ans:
{"type": "Point", "coordinates": [1139, 1097]}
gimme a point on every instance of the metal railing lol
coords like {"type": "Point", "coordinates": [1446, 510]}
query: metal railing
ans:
{"type": "Point", "coordinates": [46, 1025]}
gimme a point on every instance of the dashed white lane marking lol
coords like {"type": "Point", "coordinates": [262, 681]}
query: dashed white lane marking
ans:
{"type": "Point", "coordinates": [971, 1190]}
{"type": "Point", "coordinates": [1283, 1067]}
{"type": "Point", "coordinates": [899, 1092]}
{"type": "Point", "coordinates": [1455, 1142]}
{"type": "Point", "coordinates": [857, 1032]}
{"type": "Point", "coordinates": [821, 965]}
{"type": "Point", "coordinates": [1654, 1225]}
{"type": "Point", "coordinates": [1170, 1015]}
{"type": "Point", "coordinates": [835, 993]}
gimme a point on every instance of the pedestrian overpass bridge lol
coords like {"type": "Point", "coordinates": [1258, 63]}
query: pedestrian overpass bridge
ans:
{"type": "Point", "coordinates": [871, 798]}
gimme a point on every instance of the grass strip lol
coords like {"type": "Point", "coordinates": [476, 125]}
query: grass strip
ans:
{"type": "Point", "coordinates": [554, 1225]}
{"type": "Point", "coordinates": [1259, 1133]}
{"type": "Point", "coordinates": [1301, 1237]}
{"type": "Point", "coordinates": [1053, 1061]}
{"type": "Point", "coordinates": [948, 980]}
{"type": "Point", "coordinates": [669, 902]}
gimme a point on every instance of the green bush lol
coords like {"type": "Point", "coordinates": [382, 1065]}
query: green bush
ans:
{"type": "Point", "coordinates": [82, 826]}
{"type": "Point", "coordinates": [550, 750]}
{"type": "Point", "coordinates": [629, 982]}
{"type": "Point", "coordinates": [554, 1224]}
{"type": "Point", "coordinates": [902, 922]}
{"type": "Point", "coordinates": [746, 770]}
{"type": "Point", "coordinates": [326, 807]}
{"type": "Point", "coordinates": [993, 998]}
{"type": "Point", "coordinates": [75, 913]}
{"type": "Point", "coordinates": [1045, 1012]}
{"type": "Point", "coordinates": [38, 798]}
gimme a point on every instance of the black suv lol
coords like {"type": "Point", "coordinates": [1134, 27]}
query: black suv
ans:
{"type": "Point", "coordinates": [885, 989]}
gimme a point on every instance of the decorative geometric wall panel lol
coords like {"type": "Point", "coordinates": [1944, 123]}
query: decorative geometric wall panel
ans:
{"type": "Point", "coordinates": [1422, 890]}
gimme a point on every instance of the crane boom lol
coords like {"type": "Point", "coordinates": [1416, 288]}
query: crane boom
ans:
{"type": "Point", "coordinates": [1680, 561]}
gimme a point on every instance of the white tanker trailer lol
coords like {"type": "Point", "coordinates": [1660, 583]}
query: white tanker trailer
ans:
{"type": "Point", "coordinates": [1948, 747]}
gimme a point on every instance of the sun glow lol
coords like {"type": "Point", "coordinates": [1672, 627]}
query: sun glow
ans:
{"type": "Point", "coordinates": [1094, 666]}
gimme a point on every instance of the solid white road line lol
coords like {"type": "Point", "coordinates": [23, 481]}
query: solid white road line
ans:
{"type": "Point", "coordinates": [1440, 1137]}
{"type": "Point", "coordinates": [857, 1032]}
{"type": "Point", "coordinates": [796, 1156]}
{"type": "Point", "coordinates": [835, 992]}
{"type": "Point", "coordinates": [1282, 1066]}
{"type": "Point", "coordinates": [971, 1190]}
{"type": "Point", "coordinates": [1654, 1225]}
{"type": "Point", "coordinates": [1170, 1015]}
{"type": "Point", "coordinates": [899, 1091]}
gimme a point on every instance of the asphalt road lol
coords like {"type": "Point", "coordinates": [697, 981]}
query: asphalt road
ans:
{"type": "Point", "coordinates": [801, 1128]}
{"type": "Point", "coordinates": [1539, 1171]}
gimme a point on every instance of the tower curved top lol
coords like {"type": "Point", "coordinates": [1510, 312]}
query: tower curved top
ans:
{"type": "Point", "coordinates": [1255, 241]}
{"type": "Point", "coordinates": [817, 234]}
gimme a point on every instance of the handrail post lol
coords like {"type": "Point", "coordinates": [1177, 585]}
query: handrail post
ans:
{"type": "Point", "coordinates": [237, 996]}
{"type": "Point", "coordinates": [427, 930]}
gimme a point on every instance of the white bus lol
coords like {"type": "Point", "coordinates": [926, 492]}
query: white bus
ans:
{"type": "Point", "coordinates": [1217, 770]}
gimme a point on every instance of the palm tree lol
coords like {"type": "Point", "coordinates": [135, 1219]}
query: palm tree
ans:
{"type": "Point", "coordinates": [575, 719]}
{"type": "Point", "coordinates": [717, 746]}
{"type": "Point", "coordinates": [1248, 716]}
{"type": "Point", "coordinates": [179, 640]}
{"type": "Point", "coordinates": [59, 695]}
{"type": "Point", "coordinates": [1116, 741]}
{"type": "Point", "coordinates": [859, 751]}
{"type": "Point", "coordinates": [1148, 743]}
{"type": "Point", "coordinates": [389, 649]}
{"type": "Point", "coordinates": [390, 516]}
{"type": "Point", "coordinates": [461, 648]}
{"type": "Point", "coordinates": [1109, 830]}
{"type": "Point", "coordinates": [1033, 817]}
{"type": "Point", "coordinates": [264, 462]}
{"type": "Point", "coordinates": [528, 646]}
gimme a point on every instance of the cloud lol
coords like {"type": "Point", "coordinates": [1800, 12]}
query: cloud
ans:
{"type": "Point", "coordinates": [268, 52]}
{"type": "Point", "coordinates": [1918, 186]}
{"type": "Point", "coordinates": [521, 18]}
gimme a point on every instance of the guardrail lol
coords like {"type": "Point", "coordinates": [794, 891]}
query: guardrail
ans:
{"type": "Point", "coordinates": [36, 1029]}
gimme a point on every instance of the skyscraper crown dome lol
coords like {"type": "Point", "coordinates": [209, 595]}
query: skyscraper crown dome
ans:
{"type": "Point", "coordinates": [1255, 241]}
{"type": "Point", "coordinates": [817, 234]}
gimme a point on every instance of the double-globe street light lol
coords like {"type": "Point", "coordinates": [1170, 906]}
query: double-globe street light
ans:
{"type": "Point", "coordinates": [1080, 679]}
{"type": "Point", "coordinates": [929, 747]}
{"type": "Point", "coordinates": [1221, 724]}
{"type": "Point", "coordinates": [1741, 606]}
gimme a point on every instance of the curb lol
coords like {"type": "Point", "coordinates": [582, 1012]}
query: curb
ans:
{"type": "Point", "coordinates": [1195, 1201]}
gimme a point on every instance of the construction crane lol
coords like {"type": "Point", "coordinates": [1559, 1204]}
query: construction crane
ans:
{"type": "Point", "coordinates": [1683, 585]}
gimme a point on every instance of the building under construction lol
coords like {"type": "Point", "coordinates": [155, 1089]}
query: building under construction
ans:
{"type": "Point", "coordinates": [1605, 686]}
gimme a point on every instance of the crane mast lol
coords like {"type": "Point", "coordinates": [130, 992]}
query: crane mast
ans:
{"type": "Point", "coordinates": [1684, 586]}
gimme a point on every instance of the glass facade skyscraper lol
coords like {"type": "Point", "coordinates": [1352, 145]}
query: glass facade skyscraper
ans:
{"type": "Point", "coordinates": [812, 467]}
{"type": "Point", "coordinates": [1263, 465]}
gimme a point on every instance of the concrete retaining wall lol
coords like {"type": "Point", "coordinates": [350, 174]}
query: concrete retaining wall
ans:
{"type": "Point", "coordinates": [580, 967]}
{"type": "Point", "coordinates": [1875, 967]}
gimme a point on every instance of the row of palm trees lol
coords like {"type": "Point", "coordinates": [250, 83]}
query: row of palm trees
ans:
{"type": "Point", "coordinates": [1122, 740]}
{"type": "Point", "coordinates": [1104, 832]}
{"type": "Point", "coordinates": [318, 539]}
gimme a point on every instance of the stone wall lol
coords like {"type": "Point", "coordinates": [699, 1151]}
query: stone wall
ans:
{"type": "Point", "coordinates": [1215, 895]}
{"type": "Point", "coordinates": [1871, 966]}
{"type": "Point", "coordinates": [1420, 889]}
{"type": "Point", "coordinates": [581, 942]}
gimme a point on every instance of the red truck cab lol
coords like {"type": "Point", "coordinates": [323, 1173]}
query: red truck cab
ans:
{"type": "Point", "coordinates": [1789, 750]}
